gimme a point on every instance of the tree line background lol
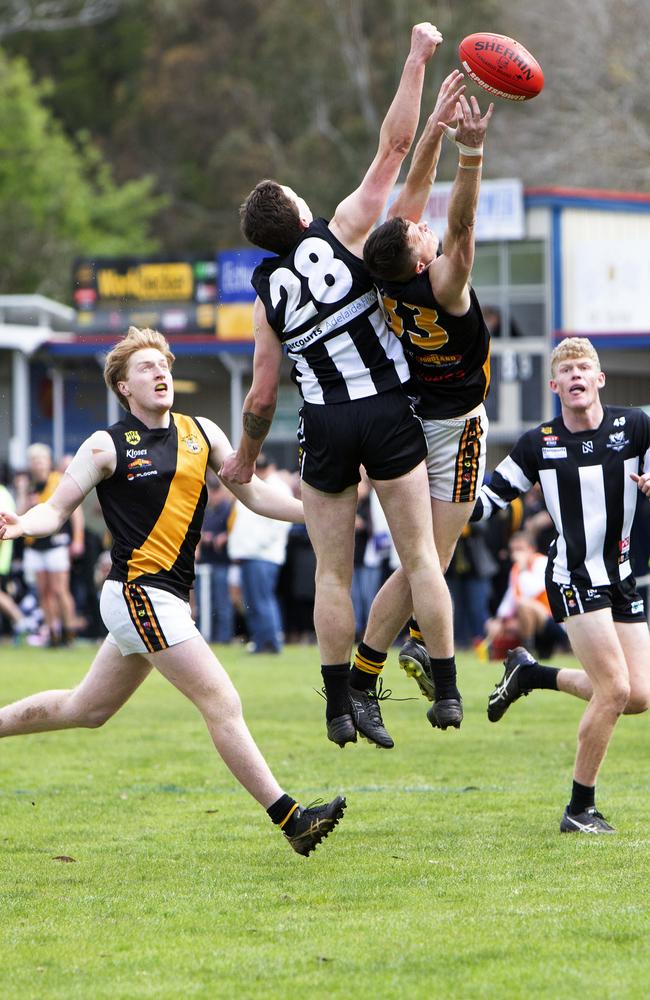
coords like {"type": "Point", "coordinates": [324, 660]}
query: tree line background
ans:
{"type": "Point", "coordinates": [137, 126]}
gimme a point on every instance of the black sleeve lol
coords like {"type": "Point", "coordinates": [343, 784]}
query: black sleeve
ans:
{"type": "Point", "coordinates": [515, 475]}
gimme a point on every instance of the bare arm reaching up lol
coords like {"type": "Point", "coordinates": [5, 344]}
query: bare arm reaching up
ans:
{"type": "Point", "coordinates": [356, 214]}
{"type": "Point", "coordinates": [412, 199]}
{"type": "Point", "coordinates": [449, 273]}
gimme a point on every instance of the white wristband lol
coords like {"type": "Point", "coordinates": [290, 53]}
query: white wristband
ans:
{"type": "Point", "coordinates": [466, 150]}
{"type": "Point", "coordinates": [469, 150]}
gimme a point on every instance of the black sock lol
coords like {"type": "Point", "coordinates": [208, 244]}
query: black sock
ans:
{"type": "Point", "coordinates": [538, 676]}
{"type": "Point", "coordinates": [367, 666]}
{"type": "Point", "coordinates": [582, 797]}
{"type": "Point", "coordinates": [336, 677]}
{"type": "Point", "coordinates": [414, 631]}
{"type": "Point", "coordinates": [444, 678]}
{"type": "Point", "coordinates": [281, 810]}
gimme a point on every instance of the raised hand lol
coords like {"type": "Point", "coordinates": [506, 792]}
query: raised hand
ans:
{"type": "Point", "coordinates": [425, 39]}
{"type": "Point", "coordinates": [447, 100]}
{"type": "Point", "coordinates": [471, 128]}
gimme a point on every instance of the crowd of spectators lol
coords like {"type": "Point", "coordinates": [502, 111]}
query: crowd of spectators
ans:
{"type": "Point", "coordinates": [255, 576]}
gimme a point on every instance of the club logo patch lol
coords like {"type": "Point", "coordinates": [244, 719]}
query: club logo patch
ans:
{"type": "Point", "coordinates": [192, 444]}
{"type": "Point", "coordinates": [132, 437]}
{"type": "Point", "coordinates": [617, 441]}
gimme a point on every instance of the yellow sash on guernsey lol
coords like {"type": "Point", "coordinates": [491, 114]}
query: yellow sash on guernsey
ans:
{"type": "Point", "coordinates": [161, 548]}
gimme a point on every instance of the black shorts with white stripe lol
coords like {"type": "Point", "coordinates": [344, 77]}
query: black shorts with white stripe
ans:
{"type": "Point", "coordinates": [380, 432]}
{"type": "Point", "coordinates": [569, 599]}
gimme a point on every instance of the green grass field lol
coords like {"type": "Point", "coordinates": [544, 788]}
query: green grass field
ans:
{"type": "Point", "coordinates": [447, 877]}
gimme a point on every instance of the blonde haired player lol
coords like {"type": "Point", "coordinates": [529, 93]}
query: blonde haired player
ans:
{"type": "Point", "coordinates": [149, 470]}
{"type": "Point", "coordinates": [591, 461]}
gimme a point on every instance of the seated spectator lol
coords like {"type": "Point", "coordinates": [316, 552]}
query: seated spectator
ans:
{"type": "Point", "coordinates": [523, 617]}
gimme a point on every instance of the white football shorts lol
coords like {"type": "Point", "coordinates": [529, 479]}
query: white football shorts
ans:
{"type": "Point", "coordinates": [456, 456]}
{"type": "Point", "coordinates": [144, 619]}
{"type": "Point", "coordinates": [54, 560]}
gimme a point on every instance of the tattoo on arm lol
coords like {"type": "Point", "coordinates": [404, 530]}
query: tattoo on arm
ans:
{"type": "Point", "coordinates": [255, 426]}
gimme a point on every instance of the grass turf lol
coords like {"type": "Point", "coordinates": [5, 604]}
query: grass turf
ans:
{"type": "Point", "coordinates": [447, 876]}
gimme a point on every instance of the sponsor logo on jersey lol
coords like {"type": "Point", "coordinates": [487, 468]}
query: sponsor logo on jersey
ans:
{"type": "Point", "coordinates": [137, 463]}
{"type": "Point", "coordinates": [546, 430]}
{"type": "Point", "coordinates": [554, 452]}
{"type": "Point", "coordinates": [140, 475]}
{"type": "Point", "coordinates": [587, 447]}
{"type": "Point", "coordinates": [135, 452]}
{"type": "Point", "coordinates": [636, 608]}
{"type": "Point", "coordinates": [624, 546]}
{"type": "Point", "coordinates": [617, 441]}
{"type": "Point", "coordinates": [591, 594]}
{"type": "Point", "coordinates": [192, 444]}
{"type": "Point", "coordinates": [132, 437]}
{"type": "Point", "coordinates": [440, 359]}
{"type": "Point", "coordinates": [619, 422]}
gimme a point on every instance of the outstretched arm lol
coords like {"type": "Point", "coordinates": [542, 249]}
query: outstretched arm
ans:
{"type": "Point", "coordinates": [261, 497]}
{"type": "Point", "coordinates": [412, 199]}
{"type": "Point", "coordinates": [515, 475]}
{"type": "Point", "coordinates": [449, 273]}
{"type": "Point", "coordinates": [260, 403]}
{"type": "Point", "coordinates": [94, 461]}
{"type": "Point", "coordinates": [357, 214]}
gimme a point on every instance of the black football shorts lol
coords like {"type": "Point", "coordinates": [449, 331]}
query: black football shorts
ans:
{"type": "Point", "coordinates": [381, 432]}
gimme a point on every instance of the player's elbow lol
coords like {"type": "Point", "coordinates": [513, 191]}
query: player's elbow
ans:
{"type": "Point", "coordinates": [262, 400]}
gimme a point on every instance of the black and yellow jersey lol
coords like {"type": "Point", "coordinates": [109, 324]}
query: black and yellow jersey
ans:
{"type": "Point", "coordinates": [153, 503]}
{"type": "Point", "coordinates": [448, 356]}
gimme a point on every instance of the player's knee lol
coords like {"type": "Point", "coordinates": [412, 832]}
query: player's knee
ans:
{"type": "Point", "coordinates": [638, 702]}
{"type": "Point", "coordinates": [223, 707]}
{"type": "Point", "coordinates": [96, 716]}
{"type": "Point", "coordinates": [87, 716]}
{"type": "Point", "coordinates": [618, 695]}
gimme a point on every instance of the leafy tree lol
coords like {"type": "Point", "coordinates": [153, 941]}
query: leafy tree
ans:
{"type": "Point", "coordinates": [58, 197]}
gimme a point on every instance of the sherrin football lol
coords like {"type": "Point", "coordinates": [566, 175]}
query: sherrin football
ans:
{"type": "Point", "coordinates": [501, 66]}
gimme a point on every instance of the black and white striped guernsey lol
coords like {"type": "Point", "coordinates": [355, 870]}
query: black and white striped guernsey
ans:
{"type": "Point", "coordinates": [585, 479]}
{"type": "Point", "coordinates": [323, 306]}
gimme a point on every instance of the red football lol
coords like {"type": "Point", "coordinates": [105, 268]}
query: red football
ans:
{"type": "Point", "coordinates": [501, 66]}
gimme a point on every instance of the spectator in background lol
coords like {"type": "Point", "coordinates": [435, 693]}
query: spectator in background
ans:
{"type": "Point", "coordinates": [259, 545]}
{"type": "Point", "coordinates": [82, 565]}
{"type": "Point", "coordinates": [524, 616]}
{"type": "Point", "coordinates": [8, 606]}
{"type": "Point", "coordinates": [47, 560]}
{"type": "Point", "coordinates": [213, 556]}
{"type": "Point", "coordinates": [469, 578]}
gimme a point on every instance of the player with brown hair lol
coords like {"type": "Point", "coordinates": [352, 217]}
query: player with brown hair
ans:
{"type": "Point", "coordinates": [149, 470]}
{"type": "Point", "coordinates": [317, 301]}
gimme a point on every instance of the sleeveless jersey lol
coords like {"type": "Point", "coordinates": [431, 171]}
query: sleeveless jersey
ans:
{"type": "Point", "coordinates": [449, 356]}
{"type": "Point", "coordinates": [153, 503]}
{"type": "Point", "coordinates": [323, 306]}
